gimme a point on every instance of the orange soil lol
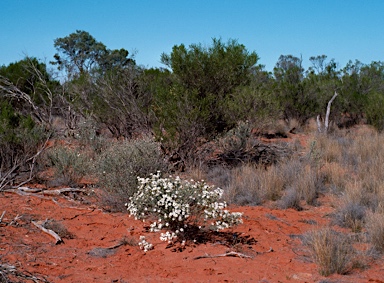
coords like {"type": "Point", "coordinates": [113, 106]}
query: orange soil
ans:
{"type": "Point", "coordinates": [277, 252]}
{"type": "Point", "coordinates": [270, 237]}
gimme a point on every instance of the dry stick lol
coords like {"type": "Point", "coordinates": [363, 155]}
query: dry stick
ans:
{"type": "Point", "coordinates": [63, 190]}
{"type": "Point", "coordinates": [2, 215]}
{"type": "Point", "coordinates": [17, 217]}
{"type": "Point", "coordinates": [48, 231]}
{"type": "Point", "coordinates": [234, 254]}
{"type": "Point", "coordinates": [56, 192]}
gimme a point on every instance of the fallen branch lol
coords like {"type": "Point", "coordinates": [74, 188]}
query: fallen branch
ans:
{"type": "Point", "coordinates": [63, 191]}
{"type": "Point", "coordinates": [9, 272]}
{"type": "Point", "coordinates": [40, 225]}
{"type": "Point", "coordinates": [2, 215]}
{"type": "Point", "coordinates": [51, 192]}
{"type": "Point", "coordinates": [233, 254]}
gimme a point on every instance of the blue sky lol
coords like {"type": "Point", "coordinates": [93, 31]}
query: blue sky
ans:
{"type": "Point", "coordinates": [341, 29]}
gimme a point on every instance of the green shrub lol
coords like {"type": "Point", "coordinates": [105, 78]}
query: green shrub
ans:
{"type": "Point", "coordinates": [20, 140]}
{"type": "Point", "coordinates": [374, 110]}
{"type": "Point", "coordinates": [179, 207]}
{"type": "Point", "coordinates": [118, 166]}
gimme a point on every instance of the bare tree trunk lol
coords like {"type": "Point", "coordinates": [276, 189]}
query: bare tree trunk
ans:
{"type": "Point", "coordinates": [326, 122]}
{"type": "Point", "coordinates": [329, 112]}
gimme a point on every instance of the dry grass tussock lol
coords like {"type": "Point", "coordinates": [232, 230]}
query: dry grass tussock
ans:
{"type": "Point", "coordinates": [330, 250]}
{"type": "Point", "coordinates": [375, 229]}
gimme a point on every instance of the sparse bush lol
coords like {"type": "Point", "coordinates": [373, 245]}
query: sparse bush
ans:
{"type": "Point", "coordinates": [290, 199]}
{"type": "Point", "coordinates": [70, 165]}
{"type": "Point", "coordinates": [179, 207]}
{"type": "Point", "coordinates": [243, 186]}
{"type": "Point", "coordinates": [334, 177]}
{"type": "Point", "coordinates": [119, 165]}
{"type": "Point", "coordinates": [308, 184]}
{"type": "Point", "coordinates": [350, 215]}
{"type": "Point", "coordinates": [331, 251]}
{"type": "Point", "coordinates": [88, 137]}
{"type": "Point", "coordinates": [375, 229]}
{"type": "Point", "coordinates": [252, 185]}
{"type": "Point", "coordinates": [272, 183]}
{"type": "Point", "coordinates": [238, 146]}
{"type": "Point", "coordinates": [303, 177]}
{"type": "Point", "coordinates": [329, 147]}
{"type": "Point", "coordinates": [237, 139]}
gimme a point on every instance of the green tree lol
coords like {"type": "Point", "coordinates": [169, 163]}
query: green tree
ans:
{"type": "Point", "coordinates": [217, 69]}
{"type": "Point", "coordinates": [80, 53]}
{"type": "Point", "coordinates": [28, 75]}
{"type": "Point", "coordinates": [191, 103]}
{"type": "Point", "coordinates": [25, 107]}
{"type": "Point", "coordinates": [207, 75]}
{"type": "Point", "coordinates": [363, 88]}
{"type": "Point", "coordinates": [321, 81]}
{"type": "Point", "coordinates": [289, 88]}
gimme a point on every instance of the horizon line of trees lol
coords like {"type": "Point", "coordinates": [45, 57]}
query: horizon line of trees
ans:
{"type": "Point", "coordinates": [202, 92]}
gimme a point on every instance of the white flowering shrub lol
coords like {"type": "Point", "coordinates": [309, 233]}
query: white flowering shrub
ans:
{"type": "Point", "coordinates": [180, 206]}
{"type": "Point", "coordinates": [144, 245]}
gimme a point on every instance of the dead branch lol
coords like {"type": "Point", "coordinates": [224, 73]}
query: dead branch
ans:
{"type": "Point", "coordinates": [12, 91]}
{"type": "Point", "coordinates": [232, 254]}
{"type": "Point", "coordinates": [2, 215]}
{"type": "Point", "coordinates": [10, 175]}
{"type": "Point", "coordinates": [63, 191]}
{"type": "Point", "coordinates": [326, 122]}
{"type": "Point", "coordinates": [56, 192]}
{"type": "Point", "coordinates": [9, 272]}
{"type": "Point", "coordinates": [40, 225]}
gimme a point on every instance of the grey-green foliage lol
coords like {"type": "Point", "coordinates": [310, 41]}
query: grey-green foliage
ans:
{"type": "Point", "coordinates": [70, 165]}
{"type": "Point", "coordinates": [118, 167]}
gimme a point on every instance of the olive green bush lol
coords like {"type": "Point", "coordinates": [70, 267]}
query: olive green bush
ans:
{"type": "Point", "coordinates": [118, 166]}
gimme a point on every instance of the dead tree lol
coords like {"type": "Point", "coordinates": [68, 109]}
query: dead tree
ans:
{"type": "Point", "coordinates": [18, 162]}
{"type": "Point", "coordinates": [326, 122]}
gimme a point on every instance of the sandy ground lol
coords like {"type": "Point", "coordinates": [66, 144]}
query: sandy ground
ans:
{"type": "Point", "coordinates": [91, 251]}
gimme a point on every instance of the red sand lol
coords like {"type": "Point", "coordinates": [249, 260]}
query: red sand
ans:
{"type": "Point", "coordinates": [277, 252]}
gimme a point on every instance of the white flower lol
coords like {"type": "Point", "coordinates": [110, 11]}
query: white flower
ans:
{"type": "Point", "coordinates": [172, 198]}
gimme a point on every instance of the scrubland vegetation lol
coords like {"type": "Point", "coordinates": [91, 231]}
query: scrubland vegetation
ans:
{"type": "Point", "coordinates": [206, 115]}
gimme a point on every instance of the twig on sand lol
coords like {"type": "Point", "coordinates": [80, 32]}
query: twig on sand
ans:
{"type": "Point", "coordinates": [40, 225]}
{"type": "Point", "coordinates": [7, 271]}
{"type": "Point", "coordinates": [233, 254]}
{"type": "Point", "coordinates": [2, 215]}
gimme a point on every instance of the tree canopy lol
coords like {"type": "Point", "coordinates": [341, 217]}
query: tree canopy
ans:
{"type": "Point", "coordinates": [216, 69]}
{"type": "Point", "coordinates": [80, 52]}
